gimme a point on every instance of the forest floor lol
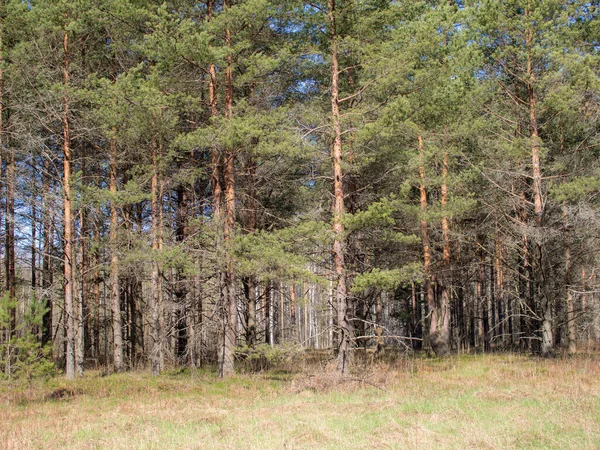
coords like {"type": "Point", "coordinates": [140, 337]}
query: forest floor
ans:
{"type": "Point", "coordinates": [497, 401]}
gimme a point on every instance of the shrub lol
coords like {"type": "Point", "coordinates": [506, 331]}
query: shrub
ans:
{"type": "Point", "coordinates": [21, 352]}
{"type": "Point", "coordinates": [265, 356]}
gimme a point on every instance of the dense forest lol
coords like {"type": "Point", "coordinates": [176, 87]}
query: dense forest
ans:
{"type": "Point", "coordinates": [197, 183]}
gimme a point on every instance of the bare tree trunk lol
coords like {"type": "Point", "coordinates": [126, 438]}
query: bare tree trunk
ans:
{"type": "Point", "coordinates": [268, 313]}
{"type": "Point", "coordinates": [585, 309]}
{"type": "Point", "coordinates": [294, 326]}
{"type": "Point", "coordinates": [2, 130]}
{"type": "Point", "coordinates": [526, 285]}
{"type": "Point", "coordinates": [481, 302]}
{"type": "Point", "coordinates": [489, 296]}
{"type": "Point", "coordinates": [379, 324]}
{"type": "Point", "coordinates": [545, 307]}
{"type": "Point", "coordinates": [47, 272]}
{"type": "Point", "coordinates": [34, 252]}
{"type": "Point", "coordinates": [434, 319]}
{"type": "Point", "coordinates": [226, 366]}
{"type": "Point", "coordinates": [570, 304]}
{"type": "Point", "coordinates": [281, 312]}
{"type": "Point", "coordinates": [9, 237]}
{"type": "Point", "coordinates": [68, 220]}
{"type": "Point", "coordinates": [250, 282]}
{"type": "Point", "coordinates": [184, 286]}
{"type": "Point", "coordinates": [95, 309]}
{"type": "Point", "coordinates": [503, 318]}
{"type": "Point", "coordinates": [156, 265]}
{"type": "Point", "coordinates": [9, 242]}
{"type": "Point", "coordinates": [271, 313]}
{"type": "Point", "coordinates": [330, 312]}
{"type": "Point", "coordinates": [343, 324]}
{"type": "Point", "coordinates": [217, 190]}
{"type": "Point", "coordinates": [114, 264]}
{"type": "Point", "coordinates": [83, 291]}
{"type": "Point", "coordinates": [444, 334]}
{"type": "Point", "coordinates": [217, 204]}
{"type": "Point", "coordinates": [414, 320]}
{"type": "Point", "coordinates": [250, 294]}
{"type": "Point", "coordinates": [595, 302]}
{"type": "Point", "coordinates": [306, 334]}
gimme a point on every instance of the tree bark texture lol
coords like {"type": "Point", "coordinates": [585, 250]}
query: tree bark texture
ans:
{"type": "Point", "coordinates": [344, 358]}
{"type": "Point", "coordinates": [68, 219]}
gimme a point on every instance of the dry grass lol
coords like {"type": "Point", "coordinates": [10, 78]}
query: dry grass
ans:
{"type": "Point", "coordinates": [479, 402]}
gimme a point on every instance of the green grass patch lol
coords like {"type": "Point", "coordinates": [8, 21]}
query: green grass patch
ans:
{"type": "Point", "coordinates": [485, 401]}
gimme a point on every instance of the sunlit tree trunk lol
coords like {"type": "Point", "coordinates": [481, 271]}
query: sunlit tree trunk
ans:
{"type": "Point", "coordinates": [114, 264]}
{"type": "Point", "coordinates": [545, 307]}
{"type": "Point", "coordinates": [68, 219]}
{"type": "Point", "coordinates": [226, 366]}
{"type": "Point", "coordinates": [433, 311]}
{"type": "Point", "coordinates": [444, 333]}
{"type": "Point", "coordinates": [156, 231]}
{"type": "Point", "coordinates": [344, 358]}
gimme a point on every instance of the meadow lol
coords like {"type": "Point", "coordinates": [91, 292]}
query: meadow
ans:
{"type": "Point", "coordinates": [497, 401]}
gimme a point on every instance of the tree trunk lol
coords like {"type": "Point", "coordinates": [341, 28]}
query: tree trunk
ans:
{"type": "Point", "coordinates": [444, 334]}
{"type": "Point", "coordinates": [250, 294]}
{"type": "Point", "coordinates": [250, 282]}
{"type": "Point", "coordinates": [217, 205]}
{"type": "Point", "coordinates": [183, 287]}
{"type": "Point", "coordinates": [226, 366]}
{"type": "Point", "coordinates": [570, 304]}
{"type": "Point", "coordinates": [379, 324]}
{"type": "Point", "coordinates": [294, 328]}
{"type": "Point", "coordinates": [545, 307]}
{"type": "Point", "coordinates": [156, 265]}
{"type": "Point", "coordinates": [2, 131]}
{"type": "Point", "coordinates": [9, 242]}
{"type": "Point", "coordinates": [526, 285]}
{"type": "Point", "coordinates": [34, 251]}
{"type": "Point", "coordinates": [585, 309]}
{"type": "Point", "coordinates": [481, 313]}
{"type": "Point", "coordinates": [47, 250]}
{"type": "Point", "coordinates": [434, 322]}
{"type": "Point", "coordinates": [68, 220]}
{"type": "Point", "coordinates": [217, 190]}
{"type": "Point", "coordinates": [82, 297]}
{"type": "Point", "coordinates": [9, 238]}
{"type": "Point", "coordinates": [281, 313]}
{"type": "Point", "coordinates": [268, 313]}
{"type": "Point", "coordinates": [306, 332]}
{"type": "Point", "coordinates": [344, 358]}
{"type": "Point", "coordinates": [114, 263]}
{"type": "Point", "coordinates": [95, 294]}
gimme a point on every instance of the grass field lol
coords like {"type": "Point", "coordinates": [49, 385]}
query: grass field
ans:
{"type": "Point", "coordinates": [479, 402]}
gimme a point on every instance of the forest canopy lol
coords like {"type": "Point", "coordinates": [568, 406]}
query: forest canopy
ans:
{"type": "Point", "coordinates": [183, 182]}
